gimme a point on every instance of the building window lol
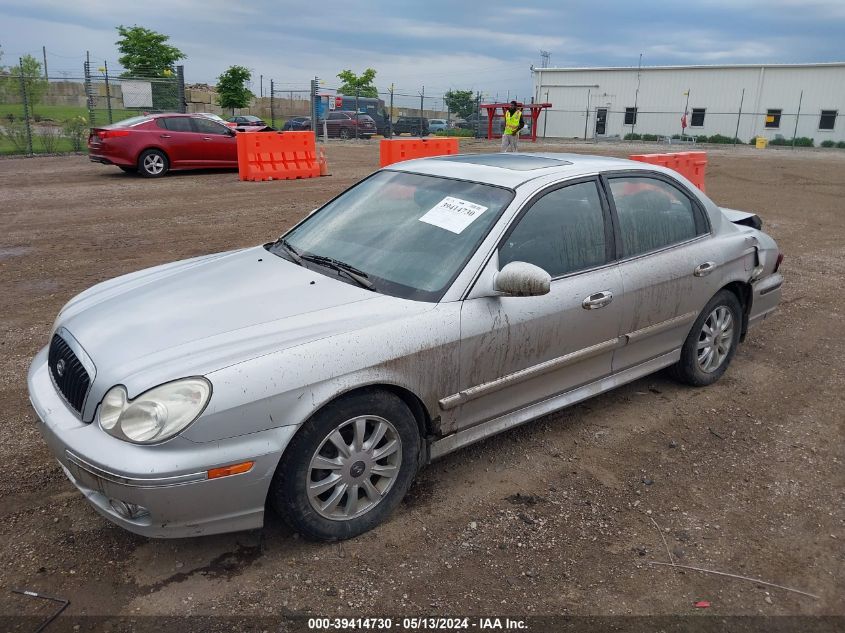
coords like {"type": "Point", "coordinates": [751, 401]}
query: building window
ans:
{"type": "Point", "coordinates": [630, 116]}
{"type": "Point", "coordinates": [773, 118]}
{"type": "Point", "coordinates": [697, 117]}
{"type": "Point", "coordinates": [827, 121]}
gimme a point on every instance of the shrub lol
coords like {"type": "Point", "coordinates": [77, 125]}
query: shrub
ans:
{"type": "Point", "coordinates": [76, 129]}
{"type": "Point", "coordinates": [828, 143]}
{"type": "Point", "coordinates": [721, 139]}
{"type": "Point", "coordinates": [455, 132]}
{"type": "Point", "coordinates": [800, 141]}
{"type": "Point", "coordinates": [841, 145]}
{"type": "Point", "coordinates": [48, 137]}
{"type": "Point", "coordinates": [633, 136]}
{"type": "Point", "coordinates": [15, 133]}
{"type": "Point", "coordinates": [702, 138]}
{"type": "Point", "coordinates": [650, 137]}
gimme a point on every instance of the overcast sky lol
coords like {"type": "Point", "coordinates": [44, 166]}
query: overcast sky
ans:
{"type": "Point", "coordinates": [487, 45]}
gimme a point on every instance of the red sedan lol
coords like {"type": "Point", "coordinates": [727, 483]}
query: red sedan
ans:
{"type": "Point", "coordinates": [154, 144]}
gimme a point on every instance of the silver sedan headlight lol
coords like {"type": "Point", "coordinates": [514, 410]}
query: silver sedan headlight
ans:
{"type": "Point", "coordinates": [155, 415]}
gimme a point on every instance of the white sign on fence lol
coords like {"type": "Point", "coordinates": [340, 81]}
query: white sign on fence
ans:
{"type": "Point", "coordinates": [137, 94]}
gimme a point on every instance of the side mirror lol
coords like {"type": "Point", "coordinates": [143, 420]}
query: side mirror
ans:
{"type": "Point", "coordinates": [521, 279]}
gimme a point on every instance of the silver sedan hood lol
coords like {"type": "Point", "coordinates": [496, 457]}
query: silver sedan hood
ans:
{"type": "Point", "coordinates": [141, 329]}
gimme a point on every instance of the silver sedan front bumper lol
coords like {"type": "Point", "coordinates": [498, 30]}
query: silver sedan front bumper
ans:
{"type": "Point", "coordinates": [163, 490]}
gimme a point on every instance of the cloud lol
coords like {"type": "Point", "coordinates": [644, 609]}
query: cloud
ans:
{"type": "Point", "coordinates": [445, 44]}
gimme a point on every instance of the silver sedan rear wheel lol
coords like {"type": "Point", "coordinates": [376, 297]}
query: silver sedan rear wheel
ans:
{"type": "Point", "coordinates": [354, 467]}
{"type": "Point", "coordinates": [715, 339]}
{"type": "Point", "coordinates": [712, 341]}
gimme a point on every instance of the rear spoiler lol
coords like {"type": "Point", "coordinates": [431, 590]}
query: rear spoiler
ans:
{"type": "Point", "coordinates": [743, 217]}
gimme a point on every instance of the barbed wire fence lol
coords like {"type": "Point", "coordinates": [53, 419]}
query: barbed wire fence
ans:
{"type": "Point", "coordinates": [53, 114]}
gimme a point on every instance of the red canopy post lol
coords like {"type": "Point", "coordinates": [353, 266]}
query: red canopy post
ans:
{"type": "Point", "coordinates": [536, 109]}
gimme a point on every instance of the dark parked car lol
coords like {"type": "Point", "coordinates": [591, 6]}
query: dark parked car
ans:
{"type": "Point", "coordinates": [297, 124]}
{"type": "Point", "coordinates": [413, 125]}
{"type": "Point", "coordinates": [343, 123]}
{"type": "Point", "coordinates": [247, 120]}
{"type": "Point", "coordinates": [154, 144]}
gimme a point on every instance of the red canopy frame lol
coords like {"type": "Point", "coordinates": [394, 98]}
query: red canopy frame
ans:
{"type": "Point", "coordinates": [492, 113]}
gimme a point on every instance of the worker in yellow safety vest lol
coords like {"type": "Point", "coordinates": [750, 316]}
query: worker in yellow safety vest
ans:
{"type": "Point", "coordinates": [513, 124]}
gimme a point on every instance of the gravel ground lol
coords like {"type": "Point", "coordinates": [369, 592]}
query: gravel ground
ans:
{"type": "Point", "coordinates": [561, 516]}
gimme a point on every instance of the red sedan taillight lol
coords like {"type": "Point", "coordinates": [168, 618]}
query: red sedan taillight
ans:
{"type": "Point", "coordinates": [104, 134]}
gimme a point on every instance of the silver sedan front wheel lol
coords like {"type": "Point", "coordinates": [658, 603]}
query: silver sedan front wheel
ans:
{"type": "Point", "coordinates": [354, 467]}
{"type": "Point", "coordinates": [715, 339]}
{"type": "Point", "coordinates": [348, 466]}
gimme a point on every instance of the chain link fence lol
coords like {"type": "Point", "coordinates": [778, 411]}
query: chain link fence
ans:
{"type": "Point", "coordinates": [46, 116]}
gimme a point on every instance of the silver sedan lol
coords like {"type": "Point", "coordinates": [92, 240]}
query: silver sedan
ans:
{"type": "Point", "coordinates": [433, 304]}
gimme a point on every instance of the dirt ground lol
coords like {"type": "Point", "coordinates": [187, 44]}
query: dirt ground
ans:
{"type": "Point", "coordinates": [561, 516]}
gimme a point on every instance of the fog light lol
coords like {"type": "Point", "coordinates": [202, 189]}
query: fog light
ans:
{"type": "Point", "coordinates": [128, 510]}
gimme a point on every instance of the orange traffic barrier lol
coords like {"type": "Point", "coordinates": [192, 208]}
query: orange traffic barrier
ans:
{"type": "Point", "coordinates": [691, 165]}
{"type": "Point", "coordinates": [399, 149]}
{"type": "Point", "coordinates": [277, 155]}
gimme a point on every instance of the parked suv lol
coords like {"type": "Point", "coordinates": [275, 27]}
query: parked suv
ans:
{"type": "Point", "coordinates": [413, 125]}
{"type": "Point", "coordinates": [437, 125]}
{"type": "Point", "coordinates": [342, 123]}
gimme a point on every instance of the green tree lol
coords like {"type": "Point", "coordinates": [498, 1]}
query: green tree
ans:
{"type": "Point", "coordinates": [461, 102]}
{"type": "Point", "coordinates": [145, 53]}
{"type": "Point", "coordinates": [363, 83]}
{"type": "Point", "coordinates": [34, 82]}
{"type": "Point", "coordinates": [231, 88]}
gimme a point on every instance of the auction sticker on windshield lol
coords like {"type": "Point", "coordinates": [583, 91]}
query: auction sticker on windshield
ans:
{"type": "Point", "coordinates": [453, 214]}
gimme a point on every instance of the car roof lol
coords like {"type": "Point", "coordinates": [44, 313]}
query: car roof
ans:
{"type": "Point", "coordinates": [512, 170]}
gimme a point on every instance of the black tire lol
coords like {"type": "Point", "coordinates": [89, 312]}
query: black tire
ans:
{"type": "Point", "coordinates": [344, 133]}
{"type": "Point", "coordinates": [153, 163]}
{"type": "Point", "coordinates": [689, 369]}
{"type": "Point", "coordinates": [128, 170]}
{"type": "Point", "coordinates": [415, 132]}
{"type": "Point", "coordinates": [288, 494]}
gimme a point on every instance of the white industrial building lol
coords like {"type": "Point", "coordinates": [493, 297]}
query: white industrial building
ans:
{"type": "Point", "coordinates": [743, 100]}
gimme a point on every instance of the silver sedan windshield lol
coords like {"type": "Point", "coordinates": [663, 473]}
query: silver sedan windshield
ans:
{"type": "Point", "coordinates": [409, 234]}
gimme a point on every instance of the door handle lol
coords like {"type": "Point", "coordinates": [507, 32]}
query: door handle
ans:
{"type": "Point", "coordinates": [165, 136]}
{"type": "Point", "coordinates": [702, 270]}
{"type": "Point", "coordinates": [597, 300]}
{"type": "Point", "coordinates": [206, 138]}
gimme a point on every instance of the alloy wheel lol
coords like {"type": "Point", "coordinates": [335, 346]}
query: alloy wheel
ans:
{"type": "Point", "coordinates": [153, 164]}
{"type": "Point", "coordinates": [354, 467]}
{"type": "Point", "coordinates": [715, 339]}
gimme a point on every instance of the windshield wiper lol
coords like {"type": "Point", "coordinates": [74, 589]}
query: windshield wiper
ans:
{"type": "Point", "coordinates": [290, 250]}
{"type": "Point", "coordinates": [353, 273]}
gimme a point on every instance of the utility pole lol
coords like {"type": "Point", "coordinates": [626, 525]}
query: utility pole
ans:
{"type": "Point", "coordinates": [587, 113]}
{"type": "Point", "coordinates": [314, 83]}
{"type": "Point", "coordinates": [636, 94]}
{"type": "Point", "coordinates": [738, 116]}
{"type": "Point", "coordinates": [422, 98]}
{"type": "Point", "coordinates": [108, 90]}
{"type": "Point", "coordinates": [390, 122]}
{"type": "Point", "coordinates": [25, 107]}
{"type": "Point", "coordinates": [261, 86]}
{"type": "Point", "coordinates": [272, 108]}
{"type": "Point", "coordinates": [797, 117]}
{"type": "Point", "coordinates": [44, 53]}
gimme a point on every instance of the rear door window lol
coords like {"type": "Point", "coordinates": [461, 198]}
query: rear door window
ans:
{"type": "Point", "coordinates": [177, 124]}
{"type": "Point", "coordinates": [653, 214]}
